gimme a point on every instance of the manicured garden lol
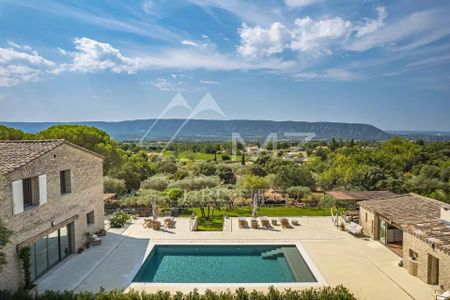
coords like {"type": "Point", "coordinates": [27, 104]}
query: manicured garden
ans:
{"type": "Point", "coordinates": [215, 222]}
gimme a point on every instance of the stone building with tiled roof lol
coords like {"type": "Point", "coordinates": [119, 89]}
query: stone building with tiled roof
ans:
{"type": "Point", "coordinates": [415, 227]}
{"type": "Point", "coordinates": [51, 196]}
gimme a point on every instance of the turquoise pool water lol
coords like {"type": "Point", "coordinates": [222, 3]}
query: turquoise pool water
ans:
{"type": "Point", "coordinates": [224, 264]}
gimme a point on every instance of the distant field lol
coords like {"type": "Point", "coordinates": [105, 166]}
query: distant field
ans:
{"type": "Point", "coordinates": [192, 155]}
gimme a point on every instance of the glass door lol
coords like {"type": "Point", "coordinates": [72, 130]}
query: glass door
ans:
{"type": "Point", "coordinates": [50, 250]}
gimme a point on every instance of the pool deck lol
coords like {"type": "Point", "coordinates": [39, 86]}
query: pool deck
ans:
{"type": "Point", "coordinates": [366, 267]}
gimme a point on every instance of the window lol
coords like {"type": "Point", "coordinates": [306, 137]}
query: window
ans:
{"type": "Point", "coordinates": [90, 217]}
{"type": "Point", "coordinates": [366, 217]}
{"type": "Point", "coordinates": [413, 254]}
{"type": "Point", "coordinates": [64, 180]}
{"type": "Point", "coordinates": [30, 191]}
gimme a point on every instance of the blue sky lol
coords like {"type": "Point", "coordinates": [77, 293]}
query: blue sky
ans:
{"type": "Point", "coordinates": [383, 63]}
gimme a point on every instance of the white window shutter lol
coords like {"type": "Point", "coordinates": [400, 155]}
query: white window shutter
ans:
{"type": "Point", "coordinates": [17, 195]}
{"type": "Point", "coordinates": [42, 189]}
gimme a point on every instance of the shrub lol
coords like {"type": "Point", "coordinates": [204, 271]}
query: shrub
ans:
{"type": "Point", "coordinates": [298, 192]}
{"type": "Point", "coordinates": [114, 185]}
{"type": "Point", "coordinates": [204, 168]}
{"type": "Point", "coordinates": [226, 174]}
{"type": "Point", "coordinates": [119, 219]}
{"type": "Point", "coordinates": [157, 182]}
{"type": "Point", "coordinates": [25, 257]}
{"type": "Point", "coordinates": [5, 233]}
{"type": "Point", "coordinates": [196, 183]}
{"type": "Point", "coordinates": [166, 167]}
{"type": "Point", "coordinates": [339, 293]}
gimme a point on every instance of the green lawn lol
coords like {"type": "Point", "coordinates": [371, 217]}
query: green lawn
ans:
{"type": "Point", "coordinates": [216, 222]}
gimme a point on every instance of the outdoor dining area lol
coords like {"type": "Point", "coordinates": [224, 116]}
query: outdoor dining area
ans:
{"type": "Point", "coordinates": [153, 223]}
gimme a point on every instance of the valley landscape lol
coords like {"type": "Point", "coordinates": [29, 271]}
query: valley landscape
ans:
{"type": "Point", "coordinates": [224, 150]}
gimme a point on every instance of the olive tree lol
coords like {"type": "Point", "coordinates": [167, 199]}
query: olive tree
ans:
{"type": "Point", "coordinates": [207, 200]}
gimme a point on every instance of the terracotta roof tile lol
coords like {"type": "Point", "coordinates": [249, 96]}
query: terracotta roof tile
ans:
{"type": "Point", "coordinates": [358, 196]}
{"type": "Point", "coordinates": [15, 154]}
{"type": "Point", "coordinates": [418, 215]}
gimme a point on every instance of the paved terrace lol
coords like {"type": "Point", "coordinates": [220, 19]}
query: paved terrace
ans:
{"type": "Point", "coordinates": [364, 266]}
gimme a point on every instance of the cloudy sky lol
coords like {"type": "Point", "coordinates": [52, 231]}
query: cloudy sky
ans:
{"type": "Point", "coordinates": [383, 63]}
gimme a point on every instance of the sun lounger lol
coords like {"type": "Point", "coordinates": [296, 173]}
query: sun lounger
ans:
{"type": "Point", "coordinates": [285, 223]}
{"type": "Point", "coordinates": [295, 223]}
{"type": "Point", "coordinates": [254, 223]}
{"type": "Point", "coordinates": [354, 228]}
{"type": "Point", "coordinates": [265, 223]}
{"type": "Point", "coordinates": [275, 222]}
{"type": "Point", "coordinates": [243, 223]}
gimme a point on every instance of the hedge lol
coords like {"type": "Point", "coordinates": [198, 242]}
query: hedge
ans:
{"type": "Point", "coordinates": [326, 293]}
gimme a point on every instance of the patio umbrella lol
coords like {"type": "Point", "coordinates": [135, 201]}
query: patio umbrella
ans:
{"type": "Point", "coordinates": [255, 207]}
{"type": "Point", "coordinates": [154, 210]}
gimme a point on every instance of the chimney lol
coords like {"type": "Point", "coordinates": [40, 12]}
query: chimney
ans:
{"type": "Point", "coordinates": [445, 214]}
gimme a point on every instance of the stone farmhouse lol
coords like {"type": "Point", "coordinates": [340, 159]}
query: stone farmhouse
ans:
{"type": "Point", "coordinates": [51, 195]}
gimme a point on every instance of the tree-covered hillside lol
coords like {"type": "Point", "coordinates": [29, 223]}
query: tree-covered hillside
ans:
{"type": "Point", "coordinates": [396, 165]}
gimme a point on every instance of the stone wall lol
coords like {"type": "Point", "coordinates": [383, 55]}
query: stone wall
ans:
{"type": "Point", "coordinates": [86, 195]}
{"type": "Point", "coordinates": [419, 267]}
{"type": "Point", "coordinates": [369, 221]}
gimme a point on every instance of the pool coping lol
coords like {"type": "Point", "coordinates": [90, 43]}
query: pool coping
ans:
{"type": "Point", "coordinates": [166, 285]}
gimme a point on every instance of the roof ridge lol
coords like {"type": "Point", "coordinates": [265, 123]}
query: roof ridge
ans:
{"type": "Point", "coordinates": [21, 152]}
{"type": "Point", "coordinates": [32, 141]}
{"type": "Point", "coordinates": [386, 198]}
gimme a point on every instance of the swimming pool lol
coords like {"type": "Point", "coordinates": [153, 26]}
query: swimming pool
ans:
{"type": "Point", "coordinates": [225, 264]}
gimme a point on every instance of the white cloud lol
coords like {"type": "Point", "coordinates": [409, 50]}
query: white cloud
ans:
{"type": "Point", "coordinates": [147, 6]}
{"type": "Point", "coordinates": [315, 36]}
{"type": "Point", "coordinates": [189, 43]}
{"type": "Point", "coordinates": [62, 51]}
{"type": "Point", "coordinates": [166, 85]}
{"type": "Point", "coordinates": [419, 26]}
{"type": "Point", "coordinates": [209, 82]}
{"type": "Point", "coordinates": [324, 36]}
{"type": "Point", "coordinates": [93, 56]}
{"type": "Point", "coordinates": [180, 59]}
{"type": "Point", "coordinates": [22, 64]}
{"type": "Point", "coordinates": [17, 46]}
{"type": "Point", "coordinates": [307, 35]}
{"type": "Point", "coordinates": [373, 25]}
{"type": "Point", "coordinates": [253, 12]}
{"type": "Point", "coordinates": [336, 74]}
{"type": "Point", "coordinates": [258, 41]}
{"type": "Point", "coordinates": [299, 3]}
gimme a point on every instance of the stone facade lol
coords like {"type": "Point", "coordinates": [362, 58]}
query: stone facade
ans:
{"type": "Point", "coordinates": [420, 266]}
{"type": "Point", "coordinates": [86, 194]}
{"type": "Point", "coordinates": [369, 222]}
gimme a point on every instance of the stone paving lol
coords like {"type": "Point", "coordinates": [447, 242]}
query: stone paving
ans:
{"type": "Point", "coordinates": [366, 267]}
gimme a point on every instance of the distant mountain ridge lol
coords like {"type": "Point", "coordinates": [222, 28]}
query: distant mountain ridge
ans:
{"type": "Point", "coordinates": [199, 129]}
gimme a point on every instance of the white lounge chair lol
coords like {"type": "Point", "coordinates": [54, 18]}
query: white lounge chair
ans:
{"type": "Point", "coordinates": [354, 228]}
